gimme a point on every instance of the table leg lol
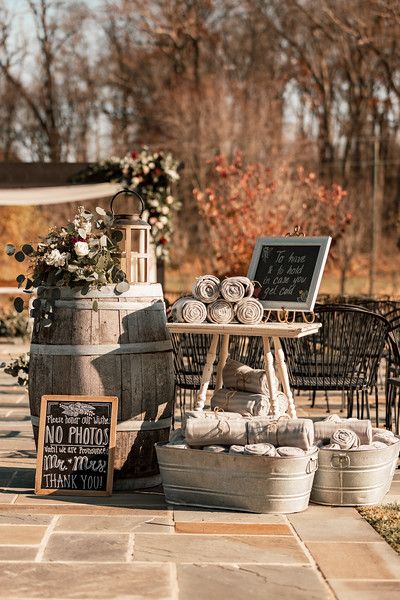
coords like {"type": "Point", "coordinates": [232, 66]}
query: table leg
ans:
{"type": "Point", "coordinates": [207, 372]}
{"type": "Point", "coordinates": [283, 375]}
{"type": "Point", "coordinates": [222, 360]}
{"type": "Point", "coordinates": [270, 374]}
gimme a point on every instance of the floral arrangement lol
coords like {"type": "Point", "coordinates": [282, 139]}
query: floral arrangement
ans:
{"type": "Point", "coordinates": [152, 175]}
{"type": "Point", "coordinates": [19, 367]}
{"type": "Point", "coordinates": [83, 254]}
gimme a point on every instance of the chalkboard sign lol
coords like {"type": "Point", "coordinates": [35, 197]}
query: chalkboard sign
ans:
{"type": "Point", "coordinates": [289, 270]}
{"type": "Point", "coordinates": [76, 445]}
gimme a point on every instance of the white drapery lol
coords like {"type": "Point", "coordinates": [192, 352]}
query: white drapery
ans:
{"type": "Point", "coordinates": [43, 196]}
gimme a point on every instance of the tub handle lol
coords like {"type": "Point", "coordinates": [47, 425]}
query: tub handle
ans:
{"type": "Point", "coordinates": [340, 461]}
{"type": "Point", "coordinates": [312, 465]}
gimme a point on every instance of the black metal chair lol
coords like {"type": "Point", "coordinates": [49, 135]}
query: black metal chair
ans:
{"type": "Point", "coordinates": [343, 356]}
{"type": "Point", "coordinates": [190, 353]}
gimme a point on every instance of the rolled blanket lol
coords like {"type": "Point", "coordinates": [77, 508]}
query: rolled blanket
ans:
{"type": "Point", "coordinates": [207, 432]}
{"type": "Point", "coordinates": [249, 311]}
{"type": "Point", "coordinates": [323, 430]}
{"type": "Point", "coordinates": [247, 405]}
{"type": "Point", "coordinates": [366, 447]}
{"type": "Point", "coordinates": [289, 451]}
{"type": "Point", "coordinates": [238, 376]}
{"type": "Point", "coordinates": [260, 449]}
{"type": "Point", "coordinates": [283, 403]}
{"type": "Point", "coordinates": [235, 449]}
{"type": "Point", "coordinates": [385, 436]}
{"type": "Point", "coordinates": [234, 289]}
{"type": "Point", "coordinates": [282, 432]}
{"type": "Point", "coordinates": [346, 438]}
{"type": "Point", "coordinates": [206, 288]}
{"type": "Point", "coordinates": [189, 310]}
{"type": "Point", "coordinates": [209, 414]}
{"type": "Point", "coordinates": [220, 312]}
{"type": "Point", "coordinates": [216, 449]}
{"type": "Point", "coordinates": [334, 418]}
{"type": "Point", "coordinates": [330, 447]}
{"type": "Point", "coordinates": [376, 444]}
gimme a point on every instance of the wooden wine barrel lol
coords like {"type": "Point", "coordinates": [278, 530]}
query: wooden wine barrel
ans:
{"type": "Point", "coordinates": [121, 349]}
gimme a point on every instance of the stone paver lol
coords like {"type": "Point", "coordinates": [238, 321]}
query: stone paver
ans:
{"type": "Point", "coordinates": [122, 582]}
{"type": "Point", "coordinates": [256, 582]}
{"type": "Point", "coordinates": [78, 547]}
{"type": "Point", "coordinates": [365, 590]}
{"type": "Point", "coordinates": [132, 546]}
{"type": "Point", "coordinates": [356, 560]}
{"type": "Point", "coordinates": [187, 548]}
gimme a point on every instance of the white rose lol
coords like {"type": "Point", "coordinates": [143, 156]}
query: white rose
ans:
{"type": "Point", "coordinates": [163, 219]}
{"type": "Point", "coordinates": [81, 248]}
{"type": "Point", "coordinates": [165, 210]}
{"type": "Point", "coordinates": [56, 258]}
{"type": "Point", "coordinates": [170, 199]}
{"type": "Point", "coordinates": [146, 169]}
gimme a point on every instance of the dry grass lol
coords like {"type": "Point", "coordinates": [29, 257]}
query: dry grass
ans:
{"type": "Point", "coordinates": [386, 521]}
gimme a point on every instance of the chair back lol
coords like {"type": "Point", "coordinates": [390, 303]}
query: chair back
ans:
{"type": "Point", "coordinates": [343, 355]}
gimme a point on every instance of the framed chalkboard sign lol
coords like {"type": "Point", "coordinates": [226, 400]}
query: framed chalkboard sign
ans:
{"type": "Point", "coordinates": [76, 445]}
{"type": "Point", "coordinates": [289, 270]}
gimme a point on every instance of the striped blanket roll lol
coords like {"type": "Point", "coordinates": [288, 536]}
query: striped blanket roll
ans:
{"type": "Point", "coordinates": [298, 433]}
{"type": "Point", "coordinates": [238, 376]}
{"type": "Point", "coordinates": [206, 288]}
{"type": "Point", "coordinates": [289, 451]}
{"type": "Point", "coordinates": [244, 403]}
{"type": "Point", "coordinates": [249, 311]}
{"type": "Point", "coordinates": [260, 450]}
{"type": "Point", "coordinates": [324, 430]}
{"type": "Point", "coordinates": [234, 289]}
{"type": "Point", "coordinates": [220, 312]}
{"type": "Point", "coordinates": [189, 310]}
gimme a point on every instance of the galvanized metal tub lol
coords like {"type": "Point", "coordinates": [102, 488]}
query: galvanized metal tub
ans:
{"type": "Point", "coordinates": [355, 477]}
{"type": "Point", "coordinates": [259, 484]}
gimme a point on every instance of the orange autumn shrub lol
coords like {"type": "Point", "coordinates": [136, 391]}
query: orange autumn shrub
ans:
{"type": "Point", "coordinates": [245, 201]}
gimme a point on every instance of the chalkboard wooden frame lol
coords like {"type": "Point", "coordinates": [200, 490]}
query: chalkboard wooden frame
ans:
{"type": "Point", "coordinates": [113, 400]}
{"type": "Point", "coordinates": [323, 244]}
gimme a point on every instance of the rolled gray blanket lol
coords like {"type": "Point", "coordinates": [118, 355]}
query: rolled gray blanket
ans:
{"type": "Point", "coordinates": [260, 450]}
{"type": "Point", "coordinates": [249, 311]}
{"type": "Point", "coordinates": [207, 432]}
{"type": "Point", "coordinates": [220, 312]}
{"type": "Point", "coordinates": [209, 414]}
{"type": "Point", "coordinates": [282, 432]}
{"type": "Point", "coordinates": [206, 288]}
{"type": "Point", "coordinates": [244, 403]}
{"type": "Point", "coordinates": [385, 436]}
{"type": "Point", "coordinates": [346, 438]}
{"type": "Point", "coordinates": [238, 376]}
{"type": "Point", "coordinates": [323, 430]}
{"type": "Point", "coordinates": [216, 449]}
{"type": "Point", "coordinates": [234, 289]}
{"type": "Point", "coordinates": [189, 310]}
{"type": "Point", "coordinates": [235, 449]}
{"type": "Point", "coordinates": [283, 403]}
{"type": "Point", "coordinates": [376, 444]}
{"type": "Point", "coordinates": [289, 451]}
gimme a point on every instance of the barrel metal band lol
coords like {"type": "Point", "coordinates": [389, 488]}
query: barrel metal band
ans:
{"type": "Point", "coordinates": [94, 349]}
{"type": "Point", "coordinates": [130, 425]}
{"type": "Point", "coordinates": [82, 304]}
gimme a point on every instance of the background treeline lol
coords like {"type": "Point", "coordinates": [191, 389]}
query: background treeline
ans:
{"type": "Point", "coordinates": [287, 82]}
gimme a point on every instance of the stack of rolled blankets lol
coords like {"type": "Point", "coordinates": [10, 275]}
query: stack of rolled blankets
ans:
{"type": "Point", "coordinates": [245, 391]}
{"type": "Point", "coordinates": [219, 302]}
{"type": "Point", "coordinates": [335, 433]}
{"type": "Point", "coordinates": [230, 432]}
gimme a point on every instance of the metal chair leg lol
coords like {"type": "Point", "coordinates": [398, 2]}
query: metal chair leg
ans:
{"type": "Point", "coordinates": [328, 410]}
{"type": "Point", "coordinates": [376, 406]}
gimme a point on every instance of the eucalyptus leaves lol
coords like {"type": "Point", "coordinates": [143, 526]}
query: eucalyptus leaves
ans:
{"type": "Point", "coordinates": [84, 254]}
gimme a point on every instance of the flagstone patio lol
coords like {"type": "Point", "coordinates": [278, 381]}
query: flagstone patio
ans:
{"type": "Point", "coordinates": [132, 546]}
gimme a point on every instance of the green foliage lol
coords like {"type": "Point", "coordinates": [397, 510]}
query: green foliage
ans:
{"type": "Point", "coordinates": [13, 324]}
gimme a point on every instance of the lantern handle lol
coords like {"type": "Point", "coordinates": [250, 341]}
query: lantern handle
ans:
{"type": "Point", "coordinates": [127, 191]}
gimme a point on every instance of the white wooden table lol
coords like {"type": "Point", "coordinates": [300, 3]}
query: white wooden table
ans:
{"type": "Point", "coordinates": [266, 331]}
